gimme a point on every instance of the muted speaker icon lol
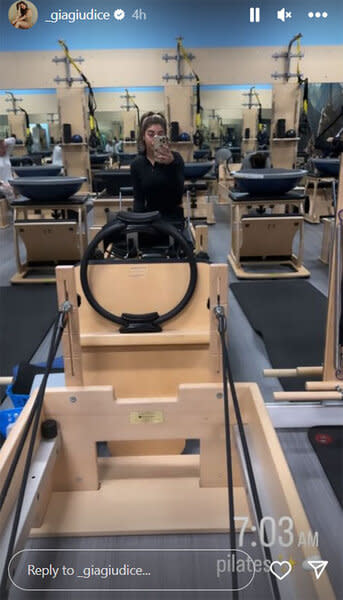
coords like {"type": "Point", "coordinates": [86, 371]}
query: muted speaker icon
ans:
{"type": "Point", "coordinates": [284, 14]}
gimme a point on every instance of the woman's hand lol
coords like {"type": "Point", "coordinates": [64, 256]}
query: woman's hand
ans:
{"type": "Point", "coordinates": [164, 155]}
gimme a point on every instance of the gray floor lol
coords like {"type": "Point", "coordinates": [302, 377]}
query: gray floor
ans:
{"type": "Point", "coordinates": [248, 358]}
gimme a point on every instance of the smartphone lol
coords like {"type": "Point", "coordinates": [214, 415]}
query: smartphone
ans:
{"type": "Point", "coordinates": [159, 141]}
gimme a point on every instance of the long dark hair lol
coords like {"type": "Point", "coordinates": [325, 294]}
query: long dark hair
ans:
{"type": "Point", "coordinates": [148, 119]}
{"type": "Point", "coordinates": [22, 11]}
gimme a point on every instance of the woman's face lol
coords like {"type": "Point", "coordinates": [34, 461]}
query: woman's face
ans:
{"type": "Point", "coordinates": [149, 135]}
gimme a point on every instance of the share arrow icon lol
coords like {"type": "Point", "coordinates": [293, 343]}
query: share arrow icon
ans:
{"type": "Point", "coordinates": [318, 566]}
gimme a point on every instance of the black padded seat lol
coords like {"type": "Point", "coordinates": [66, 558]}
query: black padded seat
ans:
{"type": "Point", "coordinates": [17, 161]}
{"type": "Point", "coordinates": [24, 202]}
{"type": "Point", "coordinates": [126, 191]}
{"type": "Point", "coordinates": [237, 196]}
{"type": "Point", "coordinates": [327, 167]}
{"type": "Point", "coordinates": [257, 215]}
{"type": "Point", "coordinates": [38, 170]}
{"type": "Point", "coordinates": [148, 242]}
{"type": "Point", "coordinates": [111, 180]}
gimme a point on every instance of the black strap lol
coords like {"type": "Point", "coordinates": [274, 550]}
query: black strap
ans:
{"type": "Point", "coordinates": [33, 419]}
{"type": "Point", "coordinates": [220, 315]}
{"type": "Point", "coordinates": [227, 375]}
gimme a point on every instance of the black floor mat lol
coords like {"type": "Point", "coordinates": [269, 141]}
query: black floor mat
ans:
{"type": "Point", "coordinates": [290, 316]}
{"type": "Point", "coordinates": [327, 443]}
{"type": "Point", "coordinates": [26, 313]}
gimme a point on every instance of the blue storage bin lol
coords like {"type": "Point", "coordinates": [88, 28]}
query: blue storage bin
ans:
{"type": "Point", "coordinates": [8, 417]}
{"type": "Point", "coordinates": [18, 400]}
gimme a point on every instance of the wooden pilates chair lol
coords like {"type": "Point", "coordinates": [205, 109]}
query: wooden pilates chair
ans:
{"type": "Point", "coordinates": [145, 392]}
{"type": "Point", "coordinates": [331, 372]}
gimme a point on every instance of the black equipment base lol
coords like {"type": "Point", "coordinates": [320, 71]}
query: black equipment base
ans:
{"type": "Point", "coordinates": [26, 314]}
{"type": "Point", "coordinates": [290, 316]}
{"type": "Point", "coordinates": [327, 442]}
{"type": "Point", "coordinates": [236, 196]}
{"type": "Point", "coordinates": [24, 202]}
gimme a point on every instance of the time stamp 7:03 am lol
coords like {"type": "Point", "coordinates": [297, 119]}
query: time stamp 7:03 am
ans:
{"type": "Point", "coordinates": [271, 532]}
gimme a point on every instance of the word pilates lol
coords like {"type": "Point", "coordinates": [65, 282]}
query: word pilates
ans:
{"type": "Point", "coordinates": [93, 14]}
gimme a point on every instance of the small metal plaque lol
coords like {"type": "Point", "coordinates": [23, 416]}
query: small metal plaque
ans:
{"type": "Point", "coordinates": [147, 416]}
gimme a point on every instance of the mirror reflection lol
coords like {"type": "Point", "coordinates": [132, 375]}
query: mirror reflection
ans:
{"type": "Point", "coordinates": [222, 115]}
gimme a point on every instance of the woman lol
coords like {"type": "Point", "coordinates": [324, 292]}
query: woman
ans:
{"type": "Point", "coordinates": [6, 146]}
{"type": "Point", "coordinates": [256, 160]}
{"type": "Point", "coordinates": [23, 19]}
{"type": "Point", "coordinates": [157, 172]}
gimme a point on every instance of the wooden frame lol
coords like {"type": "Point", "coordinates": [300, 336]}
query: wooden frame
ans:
{"type": "Point", "coordinates": [226, 182]}
{"type": "Point", "coordinates": [169, 492]}
{"type": "Point", "coordinates": [178, 102]}
{"type": "Point", "coordinates": [204, 205]}
{"type": "Point", "coordinates": [4, 218]}
{"type": "Point", "coordinates": [255, 238]}
{"type": "Point", "coordinates": [329, 371]}
{"type": "Point", "coordinates": [191, 333]}
{"type": "Point", "coordinates": [286, 100]}
{"type": "Point", "coordinates": [327, 240]}
{"type": "Point", "coordinates": [72, 109]}
{"type": "Point", "coordinates": [76, 163]}
{"type": "Point", "coordinates": [250, 121]}
{"type": "Point", "coordinates": [129, 124]}
{"type": "Point", "coordinates": [102, 204]}
{"type": "Point", "coordinates": [319, 192]}
{"type": "Point", "coordinates": [130, 147]}
{"type": "Point", "coordinates": [153, 492]}
{"type": "Point", "coordinates": [46, 240]}
{"type": "Point", "coordinates": [330, 386]}
{"type": "Point", "coordinates": [17, 126]}
{"type": "Point", "coordinates": [186, 149]}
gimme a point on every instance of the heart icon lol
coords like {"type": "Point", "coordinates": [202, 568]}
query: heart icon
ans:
{"type": "Point", "coordinates": [278, 566]}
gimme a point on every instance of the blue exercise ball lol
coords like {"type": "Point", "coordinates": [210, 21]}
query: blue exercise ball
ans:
{"type": "Point", "coordinates": [184, 137]}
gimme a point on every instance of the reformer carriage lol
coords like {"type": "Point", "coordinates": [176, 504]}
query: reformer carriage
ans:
{"type": "Point", "coordinates": [145, 383]}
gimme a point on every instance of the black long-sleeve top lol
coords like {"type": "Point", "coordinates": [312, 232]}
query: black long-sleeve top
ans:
{"type": "Point", "coordinates": [158, 187]}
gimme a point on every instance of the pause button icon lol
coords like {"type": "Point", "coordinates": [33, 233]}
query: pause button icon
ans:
{"type": "Point", "coordinates": [255, 15]}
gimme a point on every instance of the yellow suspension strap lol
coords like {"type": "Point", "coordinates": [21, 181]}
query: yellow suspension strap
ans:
{"type": "Point", "coordinates": [301, 80]}
{"type": "Point", "coordinates": [198, 115]}
{"type": "Point", "coordinates": [305, 96]}
{"type": "Point", "coordinates": [94, 138]}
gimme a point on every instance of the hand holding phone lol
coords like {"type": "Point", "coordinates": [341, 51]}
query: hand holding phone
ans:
{"type": "Point", "coordinates": [161, 150]}
{"type": "Point", "coordinates": [159, 141]}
